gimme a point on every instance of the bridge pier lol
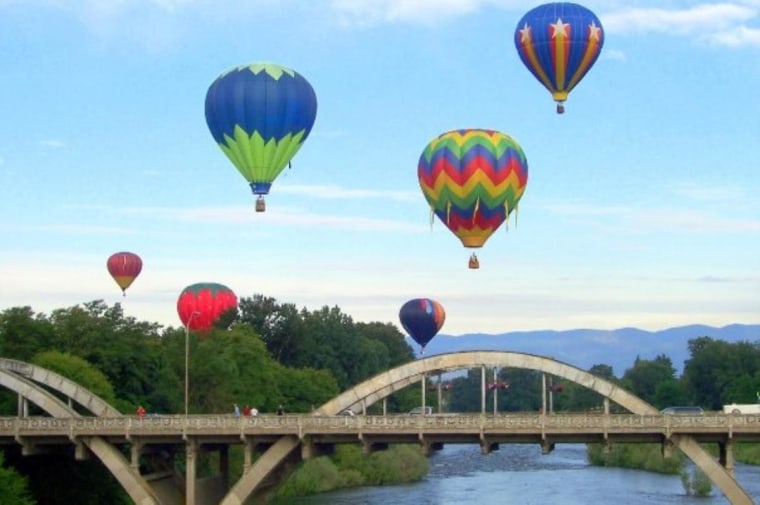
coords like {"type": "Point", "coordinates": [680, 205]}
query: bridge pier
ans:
{"type": "Point", "coordinates": [726, 456]}
{"type": "Point", "coordinates": [191, 459]}
{"type": "Point", "coordinates": [547, 446]}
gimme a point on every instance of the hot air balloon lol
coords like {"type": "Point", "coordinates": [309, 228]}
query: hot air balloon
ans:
{"type": "Point", "coordinates": [559, 42]}
{"type": "Point", "coordinates": [473, 179]}
{"type": "Point", "coordinates": [201, 305]}
{"type": "Point", "coordinates": [422, 318]}
{"type": "Point", "coordinates": [260, 115]}
{"type": "Point", "coordinates": [124, 267]}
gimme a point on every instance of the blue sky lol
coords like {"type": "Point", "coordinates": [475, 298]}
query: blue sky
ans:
{"type": "Point", "coordinates": [641, 208]}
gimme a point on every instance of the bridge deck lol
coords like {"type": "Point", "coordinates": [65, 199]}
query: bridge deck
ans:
{"type": "Point", "coordinates": [443, 428]}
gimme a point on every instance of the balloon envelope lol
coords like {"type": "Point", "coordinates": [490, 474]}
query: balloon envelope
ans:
{"type": "Point", "coordinates": [473, 179]}
{"type": "Point", "coordinates": [260, 115]}
{"type": "Point", "coordinates": [124, 267]}
{"type": "Point", "coordinates": [422, 318]}
{"type": "Point", "coordinates": [559, 42]}
{"type": "Point", "coordinates": [200, 305]}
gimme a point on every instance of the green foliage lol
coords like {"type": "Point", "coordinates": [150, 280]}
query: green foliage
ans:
{"type": "Point", "coordinates": [645, 376]}
{"type": "Point", "coordinates": [637, 456]}
{"type": "Point", "coordinates": [349, 467]}
{"type": "Point", "coordinates": [14, 489]}
{"type": "Point", "coordinates": [315, 476]}
{"type": "Point", "coordinates": [77, 370]}
{"type": "Point", "coordinates": [696, 482]}
{"type": "Point", "coordinates": [719, 372]}
{"type": "Point", "coordinates": [325, 339]}
{"type": "Point", "coordinates": [23, 333]}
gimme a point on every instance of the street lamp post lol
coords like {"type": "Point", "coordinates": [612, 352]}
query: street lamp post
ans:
{"type": "Point", "coordinates": [187, 359]}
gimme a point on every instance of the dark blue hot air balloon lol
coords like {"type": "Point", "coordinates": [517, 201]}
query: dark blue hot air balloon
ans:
{"type": "Point", "coordinates": [422, 318]}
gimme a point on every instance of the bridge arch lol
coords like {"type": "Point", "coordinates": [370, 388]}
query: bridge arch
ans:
{"type": "Point", "coordinates": [386, 383]}
{"type": "Point", "coordinates": [16, 375]}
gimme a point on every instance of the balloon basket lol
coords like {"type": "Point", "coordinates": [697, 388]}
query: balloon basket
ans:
{"type": "Point", "coordinates": [261, 204]}
{"type": "Point", "coordinates": [560, 108]}
{"type": "Point", "coordinates": [474, 264]}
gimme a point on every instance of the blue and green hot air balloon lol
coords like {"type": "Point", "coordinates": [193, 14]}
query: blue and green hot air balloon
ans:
{"type": "Point", "coordinates": [260, 115]}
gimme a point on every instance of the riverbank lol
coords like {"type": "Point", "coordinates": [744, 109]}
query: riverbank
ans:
{"type": "Point", "coordinates": [348, 467]}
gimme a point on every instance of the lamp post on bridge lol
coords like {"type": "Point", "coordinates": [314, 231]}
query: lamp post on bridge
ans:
{"type": "Point", "coordinates": [187, 358]}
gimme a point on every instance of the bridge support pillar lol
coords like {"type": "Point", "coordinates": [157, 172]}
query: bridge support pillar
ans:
{"type": "Point", "coordinates": [667, 449]}
{"type": "Point", "coordinates": [135, 451]}
{"type": "Point", "coordinates": [247, 453]}
{"type": "Point", "coordinates": [191, 461]}
{"type": "Point", "coordinates": [224, 464]}
{"type": "Point", "coordinates": [726, 456]}
{"type": "Point", "coordinates": [546, 446]}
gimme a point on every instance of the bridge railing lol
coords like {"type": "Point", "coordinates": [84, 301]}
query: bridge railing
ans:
{"type": "Point", "coordinates": [308, 424]}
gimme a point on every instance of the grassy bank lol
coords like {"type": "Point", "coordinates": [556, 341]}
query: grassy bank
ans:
{"type": "Point", "coordinates": [348, 467]}
{"type": "Point", "coordinates": [648, 457]}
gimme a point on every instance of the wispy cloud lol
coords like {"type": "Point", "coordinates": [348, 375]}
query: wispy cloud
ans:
{"type": "Point", "coordinates": [637, 219]}
{"type": "Point", "coordinates": [371, 12]}
{"type": "Point", "coordinates": [244, 214]}
{"type": "Point", "coordinates": [53, 143]}
{"type": "Point", "coordinates": [718, 23]}
{"type": "Point", "coordinates": [339, 193]}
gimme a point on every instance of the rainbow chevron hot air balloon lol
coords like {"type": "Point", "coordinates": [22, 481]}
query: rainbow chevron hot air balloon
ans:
{"type": "Point", "coordinates": [473, 179]}
{"type": "Point", "coordinates": [260, 115]}
{"type": "Point", "coordinates": [559, 42]}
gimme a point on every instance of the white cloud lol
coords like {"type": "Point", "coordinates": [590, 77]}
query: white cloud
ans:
{"type": "Point", "coordinates": [740, 36]}
{"type": "Point", "coordinates": [613, 54]}
{"type": "Point", "coordinates": [53, 143]}
{"type": "Point", "coordinates": [370, 12]}
{"type": "Point", "coordinates": [340, 193]}
{"type": "Point", "coordinates": [720, 23]}
{"type": "Point", "coordinates": [648, 219]}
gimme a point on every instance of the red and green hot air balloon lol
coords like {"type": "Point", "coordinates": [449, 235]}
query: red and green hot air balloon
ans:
{"type": "Point", "coordinates": [422, 318]}
{"type": "Point", "coordinates": [473, 179]}
{"type": "Point", "coordinates": [559, 42]}
{"type": "Point", "coordinates": [124, 267]}
{"type": "Point", "coordinates": [200, 305]}
{"type": "Point", "coordinates": [260, 115]}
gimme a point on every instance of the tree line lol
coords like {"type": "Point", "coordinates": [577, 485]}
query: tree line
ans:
{"type": "Point", "coordinates": [271, 353]}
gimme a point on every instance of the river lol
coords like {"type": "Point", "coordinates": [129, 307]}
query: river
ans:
{"type": "Point", "coordinates": [520, 475]}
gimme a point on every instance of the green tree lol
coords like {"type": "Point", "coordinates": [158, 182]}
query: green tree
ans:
{"type": "Point", "coordinates": [14, 488]}
{"type": "Point", "coordinates": [77, 370]}
{"type": "Point", "coordinates": [23, 333]}
{"type": "Point", "coordinates": [719, 372]}
{"type": "Point", "coordinates": [646, 375]}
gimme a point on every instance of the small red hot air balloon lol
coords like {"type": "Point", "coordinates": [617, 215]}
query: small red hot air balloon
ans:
{"type": "Point", "coordinates": [200, 305]}
{"type": "Point", "coordinates": [124, 267]}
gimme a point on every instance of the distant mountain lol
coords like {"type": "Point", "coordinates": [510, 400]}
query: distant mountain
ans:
{"type": "Point", "coordinates": [585, 348]}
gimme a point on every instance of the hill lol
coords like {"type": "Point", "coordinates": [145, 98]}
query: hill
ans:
{"type": "Point", "coordinates": [584, 348]}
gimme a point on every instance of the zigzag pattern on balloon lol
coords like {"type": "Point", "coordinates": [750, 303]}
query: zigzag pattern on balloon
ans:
{"type": "Point", "coordinates": [472, 180]}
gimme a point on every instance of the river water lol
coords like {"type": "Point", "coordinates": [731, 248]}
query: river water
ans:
{"type": "Point", "coordinates": [520, 475]}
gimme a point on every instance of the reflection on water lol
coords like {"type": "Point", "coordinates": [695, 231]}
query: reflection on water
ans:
{"type": "Point", "coordinates": [519, 474]}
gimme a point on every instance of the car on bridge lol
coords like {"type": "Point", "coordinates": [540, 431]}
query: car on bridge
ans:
{"type": "Point", "coordinates": [421, 411]}
{"type": "Point", "coordinates": [685, 410]}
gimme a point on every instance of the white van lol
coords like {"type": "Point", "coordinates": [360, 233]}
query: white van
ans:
{"type": "Point", "coordinates": [421, 411]}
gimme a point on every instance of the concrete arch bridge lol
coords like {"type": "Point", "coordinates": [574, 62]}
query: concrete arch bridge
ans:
{"type": "Point", "coordinates": [273, 445]}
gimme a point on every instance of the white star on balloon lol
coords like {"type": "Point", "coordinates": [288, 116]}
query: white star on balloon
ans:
{"type": "Point", "coordinates": [525, 33]}
{"type": "Point", "coordinates": [560, 28]}
{"type": "Point", "coordinates": [595, 31]}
